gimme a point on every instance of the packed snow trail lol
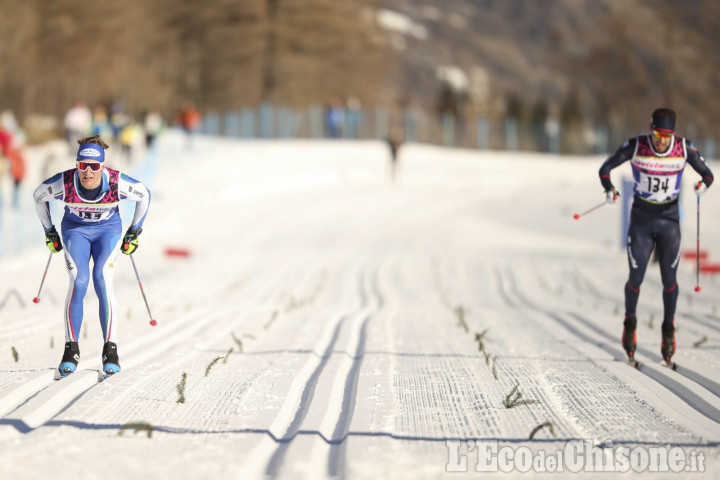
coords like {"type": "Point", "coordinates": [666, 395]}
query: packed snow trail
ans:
{"type": "Point", "coordinates": [330, 324]}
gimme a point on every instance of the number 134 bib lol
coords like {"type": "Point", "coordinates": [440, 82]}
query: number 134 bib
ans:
{"type": "Point", "coordinates": [657, 175]}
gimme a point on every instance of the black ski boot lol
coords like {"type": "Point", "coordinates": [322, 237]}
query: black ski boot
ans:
{"type": "Point", "coordinates": [629, 337]}
{"type": "Point", "coordinates": [111, 362]}
{"type": "Point", "coordinates": [70, 359]}
{"type": "Point", "coordinates": [667, 348]}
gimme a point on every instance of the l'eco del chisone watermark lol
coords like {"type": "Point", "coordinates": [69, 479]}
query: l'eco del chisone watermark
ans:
{"type": "Point", "coordinates": [574, 456]}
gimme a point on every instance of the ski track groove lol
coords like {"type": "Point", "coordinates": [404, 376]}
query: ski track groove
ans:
{"type": "Point", "coordinates": [30, 325]}
{"type": "Point", "coordinates": [265, 300]}
{"type": "Point", "coordinates": [265, 460]}
{"type": "Point", "coordinates": [687, 391]}
{"type": "Point", "coordinates": [43, 321]}
{"type": "Point", "coordinates": [329, 441]}
{"type": "Point", "coordinates": [453, 395]}
{"type": "Point", "coordinates": [695, 421]}
{"type": "Point", "coordinates": [546, 391]}
{"type": "Point", "coordinates": [700, 379]}
{"type": "Point", "coordinates": [13, 396]}
{"type": "Point", "coordinates": [707, 327]}
{"type": "Point", "coordinates": [502, 289]}
{"type": "Point", "coordinates": [714, 327]}
{"type": "Point", "coordinates": [314, 287]}
{"type": "Point", "coordinates": [47, 397]}
{"type": "Point", "coordinates": [342, 414]}
{"type": "Point", "coordinates": [692, 326]}
{"type": "Point", "coordinates": [650, 374]}
{"type": "Point", "coordinates": [710, 385]}
{"type": "Point", "coordinates": [284, 440]}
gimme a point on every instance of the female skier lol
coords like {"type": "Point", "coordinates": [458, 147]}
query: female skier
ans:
{"type": "Point", "coordinates": [91, 228]}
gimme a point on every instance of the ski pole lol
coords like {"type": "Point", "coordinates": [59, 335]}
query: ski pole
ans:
{"type": "Point", "coordinates": [697, 253]}
{"type": "Point", "coordinates": [578, 215]}
{"type": "Point", "coordinates": [153, 322]}
{"type": "Point", "coordinates": [37, 299]}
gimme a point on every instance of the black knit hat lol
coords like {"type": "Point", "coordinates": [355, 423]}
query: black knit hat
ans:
{"type": "Point", "coordinates": [663, 119]}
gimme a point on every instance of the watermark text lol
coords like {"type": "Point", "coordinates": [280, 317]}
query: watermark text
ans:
{"type": "Point", "coordinates": [574, 456]}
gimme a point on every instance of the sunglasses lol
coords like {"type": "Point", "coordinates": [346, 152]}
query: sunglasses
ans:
{"type": "Point", "coordinates": [662, 133]}
{"type": "Point", "coordinates": [94, 166]}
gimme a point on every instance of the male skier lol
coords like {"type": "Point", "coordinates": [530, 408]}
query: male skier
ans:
{"type": "Point", "coordinates": [657, 162]}
{"type": "Point", "coordinates": [91, 228]}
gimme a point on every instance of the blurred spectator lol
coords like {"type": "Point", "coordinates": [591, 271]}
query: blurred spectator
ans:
{"type": "Point", "coordinates": [153, 124]}
{"type": "Point", "coordinates": [353, 117]}
{"type": "Point", "coordinates": [78, 123]}
{"type": "Point", "coordinates": [11, 142]}
{"type": "Point", "coordinates": [17, 171]}
{"type": "Point", "coordinates": [394, 141]}
{"type": "Point", "coordinates": [334, 118]}
{"type": "Point", "coordinates": [100, 122]}
{"type": "Point", "coordinates": [189, 120]}
{"type": "Point", "coordinates": [118, 120]}
{"type": "Point", "coordinates": [6, 138]}
{"type": "Point", "coordinates": [3, 168]}
{"type": "Point", "coordinates": [5, 143]}
{"type": "Point", "coordinates": [129, 137]}
{"type": "Point", "coordinates": [9, 122]}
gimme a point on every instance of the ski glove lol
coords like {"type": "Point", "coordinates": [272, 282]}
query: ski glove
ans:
{"type": "Point", "coordinates": [52, 240]}
{"type": "Point", "coordinates": [130, 242]}
{"type": "Point", "coordinates": [700, 188]}
{"type": "Point", "coordinates": [611, 196]}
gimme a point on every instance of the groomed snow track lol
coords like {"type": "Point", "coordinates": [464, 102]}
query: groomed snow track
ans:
{"type": "Point", "coordinates": [331, 325]}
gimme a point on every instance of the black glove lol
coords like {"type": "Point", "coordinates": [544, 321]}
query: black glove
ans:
{"type": "Point", "coordinates": [130, 242]}
{"type": "Point", "coordinates": [52, 240]}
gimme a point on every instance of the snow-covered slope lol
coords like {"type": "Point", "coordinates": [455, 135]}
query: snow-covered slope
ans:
{"type": "Point", "coordinates": [331, 324]}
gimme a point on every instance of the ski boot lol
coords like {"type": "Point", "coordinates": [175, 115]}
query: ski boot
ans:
{"type": "Point", "coordinates": [629, 338]}
{"type": "Point", "coordinates": [111, 363]}
{"type": "Point", "coordinates": [70, 359]}
{"type": "Point", "coordinates": [667, 347]}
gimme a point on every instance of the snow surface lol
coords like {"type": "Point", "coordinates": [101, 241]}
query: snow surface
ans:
{"type": "Point", "coordinates": [353, 309]}
{"type": "Point", "coordinates": [397, 22]}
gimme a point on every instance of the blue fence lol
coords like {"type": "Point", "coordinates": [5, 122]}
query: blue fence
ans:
{"type": "Point", "coordinates": [272, 122]}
